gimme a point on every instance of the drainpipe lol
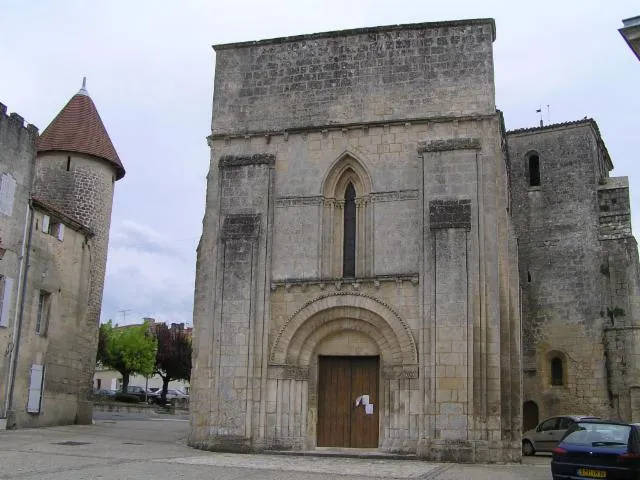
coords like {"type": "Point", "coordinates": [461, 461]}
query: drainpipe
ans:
{"type": "Point", "coordinates": [25, 251]}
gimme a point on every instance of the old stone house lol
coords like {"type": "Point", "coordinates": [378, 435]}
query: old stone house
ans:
{"type": "Point", "coordinates": [383, 265]}
{"type": "Point", "coordinates": [55, 210]}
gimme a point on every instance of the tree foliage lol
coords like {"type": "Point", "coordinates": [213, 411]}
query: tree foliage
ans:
{"type": "Point", "coordinates": [173, 357]}
{"type": "Point", "coordinates": [129, 350]}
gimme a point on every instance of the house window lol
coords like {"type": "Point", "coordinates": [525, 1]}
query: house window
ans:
{"type": "Point", "coordinates": [349, 245]}
{"type": "Point", "coordinates": [34, 401]}
{"type": "Point", "coordinates": [57, 230]}
{"type": "Point", "coordinates": [534, 170]}
{"type": "Point", "coordinates": [7, 193]}
{"type": "Point", "coordinates": [6, 285]}
{"type": "Point", "coordinates": [53, 227]}
{"type": "Point", "coordinates": [557, 371]}
{"type": "Point", "coordinates": [44, 307]}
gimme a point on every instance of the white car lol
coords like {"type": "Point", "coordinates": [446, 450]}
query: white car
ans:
{"type": "Point", "coordinates": [546, 436]}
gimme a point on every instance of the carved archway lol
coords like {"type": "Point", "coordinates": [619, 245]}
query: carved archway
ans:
{"type": "Point", "coordinates": [338, 311]}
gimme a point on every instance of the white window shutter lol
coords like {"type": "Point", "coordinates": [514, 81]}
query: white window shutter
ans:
{"type": "Point", "coordinates": [35, 388]}
{"type": "Point", "coordinates": [45, 223]}
{"type": "Point", "coordinates": [6, 302]}
{"type": "Point", "coordinates": [60, 231]}
{"type": "Point", "coordinates": [7, 192]}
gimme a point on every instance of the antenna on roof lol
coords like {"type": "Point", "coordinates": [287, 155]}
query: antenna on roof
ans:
{"type": "Point", "coordinates": [548, 115]}
{"type": "Point", "coordinates": [539, 110]}
{"type": "Point", "coordinates": [83, 90]}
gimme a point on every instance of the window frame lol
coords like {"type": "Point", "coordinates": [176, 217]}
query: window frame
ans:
{"type": "Point", "coordinates": [350, 235]}
{"type": "Point", "coordinates": [43, 313]}
{"type": "Point", "coordinates": [530, 158]}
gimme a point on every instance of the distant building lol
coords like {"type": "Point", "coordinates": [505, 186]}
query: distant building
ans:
{"type": "Point", "coordinates": [631, 33]}
{"type": "Point", "coordinates": [56, 194]}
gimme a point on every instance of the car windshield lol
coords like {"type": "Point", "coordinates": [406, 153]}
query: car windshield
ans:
{"type": "Point", "coordinates": [598, 434]}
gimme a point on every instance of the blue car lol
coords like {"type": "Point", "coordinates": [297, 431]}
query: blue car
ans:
{"type": "Point", "coordinates": [598, 449]}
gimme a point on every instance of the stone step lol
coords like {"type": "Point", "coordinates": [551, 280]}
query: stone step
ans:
{"type": "Point", "coordinates": [367, 453]}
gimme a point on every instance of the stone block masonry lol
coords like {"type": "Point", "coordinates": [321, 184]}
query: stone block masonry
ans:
{"type": "Point", "coordinates": [355, 76]}
{"type": "Point", "coordinates": [357, 207]}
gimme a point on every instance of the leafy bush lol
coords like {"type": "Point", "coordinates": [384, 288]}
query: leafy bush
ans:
{"type": "Point", "coordinates": [127, 398]}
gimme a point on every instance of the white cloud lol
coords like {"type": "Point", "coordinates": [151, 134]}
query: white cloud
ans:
{"type": "Point", "coordinates": [150, 70]}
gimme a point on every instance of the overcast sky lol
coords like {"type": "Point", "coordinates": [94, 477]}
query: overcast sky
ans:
{"type": "Point", "coordinates": [150, 68]}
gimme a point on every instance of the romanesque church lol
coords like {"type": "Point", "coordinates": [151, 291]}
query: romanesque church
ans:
{"type": "Point", "coordinates": [383, 265]}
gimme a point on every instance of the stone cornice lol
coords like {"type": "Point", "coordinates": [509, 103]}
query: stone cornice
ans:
{"type": "Point", "coordinates": [243, 160]}
{"type": "Point", "coordinates": [345, 127]}
{"type": "Point", "coordinates": [354, 284]}
{"type": "Point", "coordinates": [449, 144]}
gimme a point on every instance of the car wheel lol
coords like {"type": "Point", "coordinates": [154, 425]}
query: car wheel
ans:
{"type": "Point", "coordinates": [527, 448]}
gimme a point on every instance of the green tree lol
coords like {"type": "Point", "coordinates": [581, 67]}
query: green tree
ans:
{"type": "Point", "coordinates": [128, 350]}
{"type": "Point", "coordinates": [173, 356]}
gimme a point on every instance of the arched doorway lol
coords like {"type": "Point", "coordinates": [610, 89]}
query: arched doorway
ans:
{"type": "Point", "coordinates": [530, 415]}
{"type": "Point", "coordinates": [346, 346]}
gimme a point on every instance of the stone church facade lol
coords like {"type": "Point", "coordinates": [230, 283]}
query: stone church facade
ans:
{"type": "Point", "coordinates": [374, 235]}
{"type": "Point", "coordinates": [358, 249]}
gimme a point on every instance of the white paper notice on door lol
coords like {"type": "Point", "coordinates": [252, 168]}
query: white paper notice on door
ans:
{"type": "Point", "coordinates": [365, 400]}
{"type": "Point", "coordinates": [368, 409]}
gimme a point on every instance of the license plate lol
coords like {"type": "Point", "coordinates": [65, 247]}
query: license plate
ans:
{"type": "Point", "coordinates": [589, 473]}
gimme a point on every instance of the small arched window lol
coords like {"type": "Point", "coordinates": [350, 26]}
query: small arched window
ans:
{"type": "Point", "coordinates": [534, 170]}
{"type": "Point", "coordinates": [557, 371]}
{"type": "Point", "coordinates": [349, 241]}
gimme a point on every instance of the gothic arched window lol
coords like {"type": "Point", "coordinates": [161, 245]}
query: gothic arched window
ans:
{"type": "Point", "coordinates": [347, 235]}
{"type": "Point", "coordinates": [349, 238]}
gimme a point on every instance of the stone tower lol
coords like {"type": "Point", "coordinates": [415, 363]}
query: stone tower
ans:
{"type": "Point", "coordinates": [76, 168]}
{"type": "Point", "coordinates": [357, 280]}
{"type": "Point", "coordinates": [579, 274]}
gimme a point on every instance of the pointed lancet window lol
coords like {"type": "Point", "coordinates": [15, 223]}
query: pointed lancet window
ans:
{"type": "Point", "coordinates": [349, 245]}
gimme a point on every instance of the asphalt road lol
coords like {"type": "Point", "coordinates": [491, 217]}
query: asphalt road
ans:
{"type": "Point", "coordinates": [121, 446]}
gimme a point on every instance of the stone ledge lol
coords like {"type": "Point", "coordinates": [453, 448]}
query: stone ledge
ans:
{"type": "Point", "coordinates": [244, 160]}
{"type": "Point", "coordinates": [340, 283]}
{"type": "Point", "coordinates": [449, 144]}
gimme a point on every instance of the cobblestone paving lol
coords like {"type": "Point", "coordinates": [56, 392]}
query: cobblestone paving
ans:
{"type": "Point", "coordinates": [156, 449]}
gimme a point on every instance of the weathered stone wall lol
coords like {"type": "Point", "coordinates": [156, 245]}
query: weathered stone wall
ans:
{"type": "Point", "coordinates": [84, 191]}
{"type": "Point", "coordinates": [572, 243]}
{"type": "Point", "coordinates": [434, 291]}
{"type": "Point", "coordinates": [17, 151]}
{"type": "Point", "coordinates": [234, 334]}
{"type": "Point", "coordinates": [60, 268]}
{"type": "Point", "coordinates": [355, 76]}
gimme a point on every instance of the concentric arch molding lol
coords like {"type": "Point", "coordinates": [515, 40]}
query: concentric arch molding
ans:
{"type": "Point", "coordinates": [332, 304]}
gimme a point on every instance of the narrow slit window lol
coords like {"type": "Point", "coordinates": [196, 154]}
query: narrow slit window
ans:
{"type": "Point", "coordinates": [557, 372]}
{"type": "Point", "coordinates": [349, 245]}
{"type": "Point", "coordinates": [68, 163]}
{"type": "Point", "coordinates": [534, 171]}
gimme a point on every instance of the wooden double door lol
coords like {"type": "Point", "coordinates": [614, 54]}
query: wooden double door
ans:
{"type": "Point", "coordinates": [341, 380]}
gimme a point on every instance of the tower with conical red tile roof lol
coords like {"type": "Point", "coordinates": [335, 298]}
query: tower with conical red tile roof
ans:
{"type": "Point", "coordinates": [76, 168]}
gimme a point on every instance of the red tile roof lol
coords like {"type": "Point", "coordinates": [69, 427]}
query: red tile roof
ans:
{"type": "Point", "coordinates": [78, 128]}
